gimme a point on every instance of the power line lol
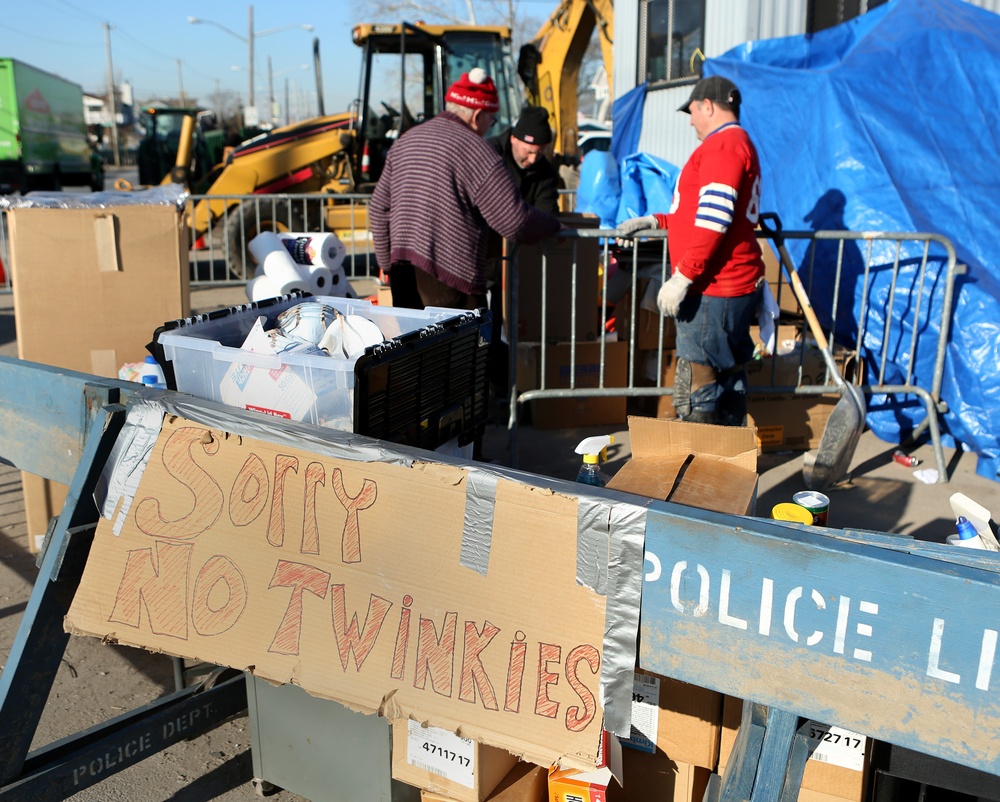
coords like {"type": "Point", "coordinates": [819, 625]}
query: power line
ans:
{"type": "Point", "coordinates": [43, 38]}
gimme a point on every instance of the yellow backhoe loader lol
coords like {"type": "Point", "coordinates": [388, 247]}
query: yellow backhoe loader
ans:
{"type": "Point", "coordinates": [406, 71]}
{"type": "Point", "coordinates": [549, 65]}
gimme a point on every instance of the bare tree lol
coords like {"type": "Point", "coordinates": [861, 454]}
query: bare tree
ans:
{"type": "Point", "coordinates": [461, 12]}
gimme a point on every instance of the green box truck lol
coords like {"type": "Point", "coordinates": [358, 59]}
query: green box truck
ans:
{"type": "Point", "coordinates": [43, 137]}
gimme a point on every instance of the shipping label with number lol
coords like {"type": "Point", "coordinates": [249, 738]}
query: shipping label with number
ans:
{"type": "Point", "coordinates": [835, 745]}
{"type": "Point", "coordinates": [645, 713]}
{"type": "Point", "coordinates": [442, 753]}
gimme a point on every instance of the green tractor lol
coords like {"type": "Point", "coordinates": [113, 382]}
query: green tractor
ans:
{"type": "Point", "coordinates": [158, 148]}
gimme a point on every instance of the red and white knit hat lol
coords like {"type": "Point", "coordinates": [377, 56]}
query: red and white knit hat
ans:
{"type": "Point", "coordinates": [474, 90]}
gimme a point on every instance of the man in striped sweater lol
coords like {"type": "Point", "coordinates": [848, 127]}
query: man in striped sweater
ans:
{"type": "Point", "coordinates": [442, 190]}
{"type": "Point", "coordinates": [717, 272]}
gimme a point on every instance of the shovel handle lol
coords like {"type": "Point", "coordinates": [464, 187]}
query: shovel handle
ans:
{"type": "Point", "coordinates": [767, 220]}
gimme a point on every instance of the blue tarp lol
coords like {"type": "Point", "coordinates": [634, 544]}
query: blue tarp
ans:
{"type": "Point", "coordinates": [889, 123]}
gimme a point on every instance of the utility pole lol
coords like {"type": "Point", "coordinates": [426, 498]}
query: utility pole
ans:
{"type": "Point", "coordinates": [288, 109]}
{"type": "Point", "coordinates": [111, 94]}
{"type": "Point", "coordinates": [180, 84]}
{"type": "Point", "coordinates": [251, 103]}
{"type": "Point", "coordinates": [318, 69]}
{"type": "Point", "coordinates": [270, 93]}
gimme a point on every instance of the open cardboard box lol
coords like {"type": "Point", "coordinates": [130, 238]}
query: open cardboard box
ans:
{"type": "Point", "coordinates": [696, 464]}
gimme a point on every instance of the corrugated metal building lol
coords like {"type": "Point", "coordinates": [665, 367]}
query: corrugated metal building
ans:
{"type": "Point", "coordinates": [664, 41]}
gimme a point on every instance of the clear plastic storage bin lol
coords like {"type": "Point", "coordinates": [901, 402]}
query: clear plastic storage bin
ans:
{"type": "Point", "coordinates": [204, 356]}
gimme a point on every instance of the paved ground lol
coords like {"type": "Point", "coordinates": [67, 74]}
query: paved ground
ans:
{"type": "Point", "coordinates": [96, 682]}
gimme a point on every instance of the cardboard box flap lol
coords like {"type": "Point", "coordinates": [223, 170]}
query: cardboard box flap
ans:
{"type": "Point", "coordinates": [690, 479]}
{"type": "Point", "coordinates": [715, 485]}
{"type": "Point", "coordinates": [656, 437]}
{"type": "Point", "coordinates": [654, 477]}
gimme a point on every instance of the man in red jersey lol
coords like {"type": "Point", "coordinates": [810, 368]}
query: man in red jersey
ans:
{"type": "Point", "coordinates": [717, 271]}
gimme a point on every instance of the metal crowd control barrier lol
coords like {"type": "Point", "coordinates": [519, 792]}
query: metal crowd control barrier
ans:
{"type": "Point", "coordinates": [840, 272]}
{"type": "Point", "coordinates": [902, 646]}
{"type": "Point", "coordinates": [221, 227]}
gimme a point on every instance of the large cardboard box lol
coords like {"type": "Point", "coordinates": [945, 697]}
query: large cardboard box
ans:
{"type": "Point", "coordinates": [359, 580]}
{"type": "Point", "coordinates": [559, 272]}
{"type": "Point", "coordinates": [675, 720]}
{"type": "Point", "coordinates": [697, 464]}
{"type": "Point", "coordinates": [439, 761]}
{"type": "Point", "coordinates": [558, 413]}
{"type": "Point", "coordinates": [794, 352]}
{"type": "Point", "coordinates": [647, 363]}
{"type": "Point", "coordinates": [789, 422]}
{"type": "Point", "coordinates": [775, 278]}
{"type": "Point", "coordinates": [523, 783]}
{"type": "Point", "coordinates": [647, 321]}
{"type": "Point", "coordinates": [838, 765]}
{"type": "Point", "coordinates": [90, 288]}
{"type": "Point", "coordinates": [654, 777]}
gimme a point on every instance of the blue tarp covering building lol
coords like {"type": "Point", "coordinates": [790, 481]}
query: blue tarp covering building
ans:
{"type": "Point", "coordinates": [890, 123]}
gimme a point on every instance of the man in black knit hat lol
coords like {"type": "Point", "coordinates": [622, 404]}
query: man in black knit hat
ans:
{"type": "Point", "coordinates": [523, 151]}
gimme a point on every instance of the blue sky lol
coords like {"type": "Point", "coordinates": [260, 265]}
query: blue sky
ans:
{"type": "Point", "coordinates": [147, 39]}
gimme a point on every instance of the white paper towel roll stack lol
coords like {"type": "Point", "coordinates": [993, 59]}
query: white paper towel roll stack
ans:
{"type": "Point", "coordinates": [282, 273]}
{"type": "Point", "coordinates": [321, 250]}
{"type": "Point", "coordinates": [320, 280]}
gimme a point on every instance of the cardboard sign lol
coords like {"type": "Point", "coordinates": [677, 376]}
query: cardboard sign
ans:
{"type": "Point", "coordinates": [351, 579]}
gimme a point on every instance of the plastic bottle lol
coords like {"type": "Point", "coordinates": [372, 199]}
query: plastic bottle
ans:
{"type": "Point", "coordinates": [967, 537]}
{"type": "Point", "coordinates": [152, 374]}
{"type": "Point", "coordinates": [594, 450]}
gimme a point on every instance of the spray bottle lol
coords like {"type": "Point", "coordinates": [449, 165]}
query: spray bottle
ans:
{"type": "Point", "coordinates": [595, 451]}
{"type": "Point", "coordinates": [967, 536]}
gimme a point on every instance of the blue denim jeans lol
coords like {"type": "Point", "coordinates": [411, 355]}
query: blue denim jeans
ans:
{"type": "Point", "coordinates": [715, 332]}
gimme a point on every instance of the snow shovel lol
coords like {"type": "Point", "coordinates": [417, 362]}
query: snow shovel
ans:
{"type": "Point", "coordinates": [832, 460]}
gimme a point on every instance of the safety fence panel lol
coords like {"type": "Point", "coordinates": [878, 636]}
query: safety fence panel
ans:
{"type": "Point", "coordinates": [222, 226]}
{"type": "Point", "coordinates": [620, 362]}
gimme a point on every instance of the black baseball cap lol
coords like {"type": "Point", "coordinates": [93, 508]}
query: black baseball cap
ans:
{"type": "Point", "coordinates": [714, 88]}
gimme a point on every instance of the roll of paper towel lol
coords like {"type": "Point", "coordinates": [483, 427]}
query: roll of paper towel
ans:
{"type": "Point", "coordinates": [338, 285]}
{"type": "Point", "coordinates": [320, 280]}
{"type": "Point", "coordinates": [261, 287]}
{"type": "Point", "coordinates": [314, 249]}
{"type": "Point", "coordinates": [278, 265]}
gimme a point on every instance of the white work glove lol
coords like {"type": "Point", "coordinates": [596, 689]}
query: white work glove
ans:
{"type": "Point", "coordinates": [628, 228]}
{"type": "Point", "coordinates": [672, 293]}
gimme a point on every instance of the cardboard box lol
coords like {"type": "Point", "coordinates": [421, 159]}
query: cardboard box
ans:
{"type": "Point", "coordinates": [775, 278]}
{"type": "Point", "coordinates": [646, 365]}
{"type": "Point", "coordinates": [794, 351]}
{"type": "Point", "coordinates": [569, 785]}
{"type": "Point", "coordinates": [90, 288]}
{"type": "Point", "coordinates": [559, 254]}
{"type": "Point", "coordinates": [654, 777]}
{"type": "Point", "coordinates": [559, 413]}
{"type": "Point", "coordinates": [789, 422]}
{"type": "Point", "coordinates": [523, 783]}
{"type": "Point", "coordinates": [647, 323]}
{"type": "Point", "coordinates": [675, 720]}
{"type": "Point", "coordinates": [440, 761]}
{"type": "Point", "coordinates": [697, 464]}
{"type": "Point", "coordinates": [349, 595]}
{"type": "Point", "coordinates": [837, 769]}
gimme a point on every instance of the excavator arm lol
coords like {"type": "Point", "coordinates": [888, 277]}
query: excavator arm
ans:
{"type": "Point", "coordinates": [550, 64]}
